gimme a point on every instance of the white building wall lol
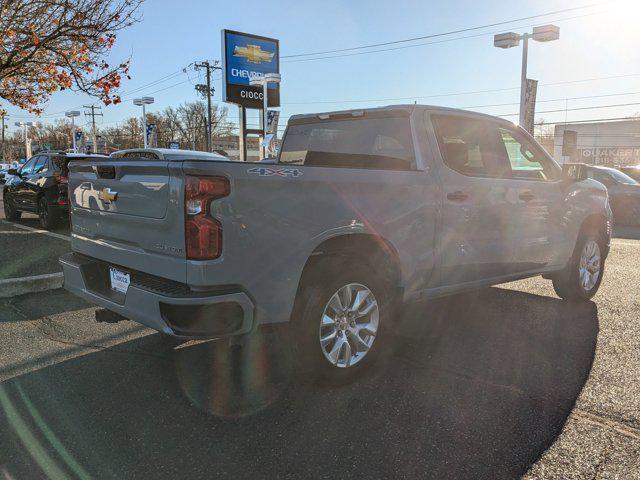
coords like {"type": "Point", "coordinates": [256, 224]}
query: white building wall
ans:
{"type": "Point", "coordinates": [604, 143]}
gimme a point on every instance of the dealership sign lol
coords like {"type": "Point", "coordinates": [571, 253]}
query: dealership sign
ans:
{"type": "Point", "coordinates": [245, 56]}
{"type": "Point", "coordinates": [610, 155]}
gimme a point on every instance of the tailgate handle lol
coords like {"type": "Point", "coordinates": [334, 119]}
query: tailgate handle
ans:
{"type": "Point", "coordinates": [102, 171]}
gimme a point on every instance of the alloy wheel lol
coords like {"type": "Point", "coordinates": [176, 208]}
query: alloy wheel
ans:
{"type": "Point", "coordinates": [590, 265]}
{"type": "Point", "coordinates": [349, 325]}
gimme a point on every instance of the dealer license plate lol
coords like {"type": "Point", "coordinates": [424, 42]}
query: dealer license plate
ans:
{"type": "Point", "coordinates": [119, 280]}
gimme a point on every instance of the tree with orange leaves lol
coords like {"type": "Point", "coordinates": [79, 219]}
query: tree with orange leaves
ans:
{"type": "Point", "coordinates": [52, 45]}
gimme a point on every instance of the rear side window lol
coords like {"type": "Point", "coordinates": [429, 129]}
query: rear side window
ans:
{"type": "Point", "coordinates": [372, 143]}
{"type": "Point", "coordinates": [465, 145]}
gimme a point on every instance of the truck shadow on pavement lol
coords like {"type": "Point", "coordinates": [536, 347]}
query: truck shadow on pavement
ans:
{"type": "Point", "coordinates": [476, 386]}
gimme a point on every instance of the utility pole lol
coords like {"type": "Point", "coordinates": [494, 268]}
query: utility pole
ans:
{"type": "Point", "coordinates": [4, 115]}
{"type": "Point", "coordinates": [207, 90]}
{"type": "Point", "coordinates": [92, 113]}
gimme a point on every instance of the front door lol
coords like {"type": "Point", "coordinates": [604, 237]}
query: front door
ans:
{"type": "Point", "coordinates": [538, 214]}
{"type": "Point", "coordinates": [34, 181]}
{"type": "Point", "coordinates": [18, 187]}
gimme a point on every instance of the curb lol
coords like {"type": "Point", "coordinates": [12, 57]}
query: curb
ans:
{"type": "Point", "coordinates": [11, 287]}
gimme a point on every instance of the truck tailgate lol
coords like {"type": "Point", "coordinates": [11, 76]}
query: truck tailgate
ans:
{"type": "Point", "coordinates": [129, 212]}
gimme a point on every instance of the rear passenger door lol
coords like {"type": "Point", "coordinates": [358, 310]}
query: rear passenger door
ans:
{"type": "Point", "coordinates": [478, 232]}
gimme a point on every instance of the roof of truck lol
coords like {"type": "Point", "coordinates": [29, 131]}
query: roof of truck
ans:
{"type": "Point", "coordinates": [173, 154]}
{"type": "Point", "coordinates": [403, 109]}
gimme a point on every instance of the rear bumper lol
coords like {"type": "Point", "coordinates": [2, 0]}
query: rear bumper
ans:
{"type": "Point", "coordinates": [163, 305]}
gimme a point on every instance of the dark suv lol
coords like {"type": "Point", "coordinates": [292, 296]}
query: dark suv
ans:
{"type": "Point", "coordinates": [40, 186]}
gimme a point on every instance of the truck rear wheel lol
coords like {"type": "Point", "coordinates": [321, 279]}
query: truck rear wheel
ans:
{"type": "Point", "coordinates": [581, 278]}
{"type": "Point", "coordinates": [344, 310]}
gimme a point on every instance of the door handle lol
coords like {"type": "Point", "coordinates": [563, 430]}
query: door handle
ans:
{"type": "Point", "coordinates": [526, 196]}
{"type": "Point", "coordinates": [457, 196]}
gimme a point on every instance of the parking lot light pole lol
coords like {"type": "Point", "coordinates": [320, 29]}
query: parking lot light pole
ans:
{"type": "Point", "coordinates": [544, 33]}
{"type": "Point", "coordinates": [142, 102]}
{"type": "Point", "coordinates": [24, 126]}
{"type": "Point", "coordinates": [72, 114]}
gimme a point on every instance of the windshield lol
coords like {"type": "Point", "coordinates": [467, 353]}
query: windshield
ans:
{"type": "Point", "coordinates": [620, 177]}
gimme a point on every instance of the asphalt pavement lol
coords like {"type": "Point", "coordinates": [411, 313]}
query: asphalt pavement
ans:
{"type": "Point", "coordinates": [499, 383]}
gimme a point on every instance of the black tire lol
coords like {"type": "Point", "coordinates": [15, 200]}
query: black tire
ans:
{"type": "Point", "coordinates": [10, 212]}
{"type": "Point", "coordinates": [567, 284]}
{"type": "Point", "coordinates": [48, 219]}
{"type": "Point", "coordinates": [329, 275]}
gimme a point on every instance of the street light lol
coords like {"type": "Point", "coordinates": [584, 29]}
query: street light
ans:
{"type": "Point", "coordinates": [544, 33]}
{"type": "Point", "coordinates": [72, 114]}
{"type": "Point", "coordinates": [264, 81]}
{"type": "Point", "coordinates": [27, 145]}
{"type": "Point", "coordinates": [142, 102]}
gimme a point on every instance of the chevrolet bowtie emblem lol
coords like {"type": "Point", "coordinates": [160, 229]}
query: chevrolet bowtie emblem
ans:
{"type": "Point", "coordinates": [107, 196]}
{"type": "Point", "coordinates": [253, 54]}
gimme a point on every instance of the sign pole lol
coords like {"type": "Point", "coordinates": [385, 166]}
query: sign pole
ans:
{"type": "Point", "coordinates": [265, 106]}
{"type": "Point", "coordinates": [242, 136]}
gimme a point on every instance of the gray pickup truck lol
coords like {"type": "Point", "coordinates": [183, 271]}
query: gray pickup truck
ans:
{"type": "Point", "coordinates": [362, 211]}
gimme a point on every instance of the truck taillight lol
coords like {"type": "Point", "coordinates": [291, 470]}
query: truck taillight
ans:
{"type": "Point", "coordinates": [203, 234]}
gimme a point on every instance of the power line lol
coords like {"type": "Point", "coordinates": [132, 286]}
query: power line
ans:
{"type": "Point", "coordinates": [446, 40]}
{"type": "Point", "coordinates": [576, 109]}
{"type": "Point", "coordinates": [442, 34]}
{"type": "Point", "coordinates": [156, 82]}
{"type": "Point", "coordinates": [591, 120]}
{"type": "Point", "coordinates": [473, 92]}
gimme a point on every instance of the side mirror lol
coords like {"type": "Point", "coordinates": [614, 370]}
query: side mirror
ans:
{"type": "Point", "coordinates": [574, 172]}
{"type": "Point", "coordinates": [13, 171]}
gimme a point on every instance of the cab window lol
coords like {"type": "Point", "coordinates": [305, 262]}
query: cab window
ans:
{"type": "Point", "coordinates": [367, 143]}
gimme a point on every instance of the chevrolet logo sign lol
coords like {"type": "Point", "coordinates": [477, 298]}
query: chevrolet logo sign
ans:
{"type": "Point", "coordinates": [107, 196]}
{"type": "Point", "coordinates": [253, 54]}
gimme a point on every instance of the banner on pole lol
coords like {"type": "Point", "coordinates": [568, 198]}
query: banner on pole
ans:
{"type": "Point", "coordinates": [530, 105]}
{"type": "Point", "coordinates": [272, 121]}
{"type": "Point", "coordinates": [152, 135]}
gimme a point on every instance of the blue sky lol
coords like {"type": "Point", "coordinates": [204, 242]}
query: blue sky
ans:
{"type": "Point", "coordinates": [601, 42]}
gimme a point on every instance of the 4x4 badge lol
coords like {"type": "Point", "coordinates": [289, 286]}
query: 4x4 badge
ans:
{"type": "Point", "coordinates": [283, 172]}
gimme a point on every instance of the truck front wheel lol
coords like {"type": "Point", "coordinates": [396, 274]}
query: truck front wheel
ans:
{"type": "Point", "coordinates": [581, 278]}
{"type": "Point", "coordinates": [344, 311]}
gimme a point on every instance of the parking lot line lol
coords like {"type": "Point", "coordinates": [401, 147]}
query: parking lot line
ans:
{"type": "Point", "coordinates": [631, 244]}
{"type": "Point", "coordinates": [37, 230]}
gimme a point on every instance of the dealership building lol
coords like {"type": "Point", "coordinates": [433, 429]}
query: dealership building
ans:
{"type": "Point", "coordinates": [613, 143]}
